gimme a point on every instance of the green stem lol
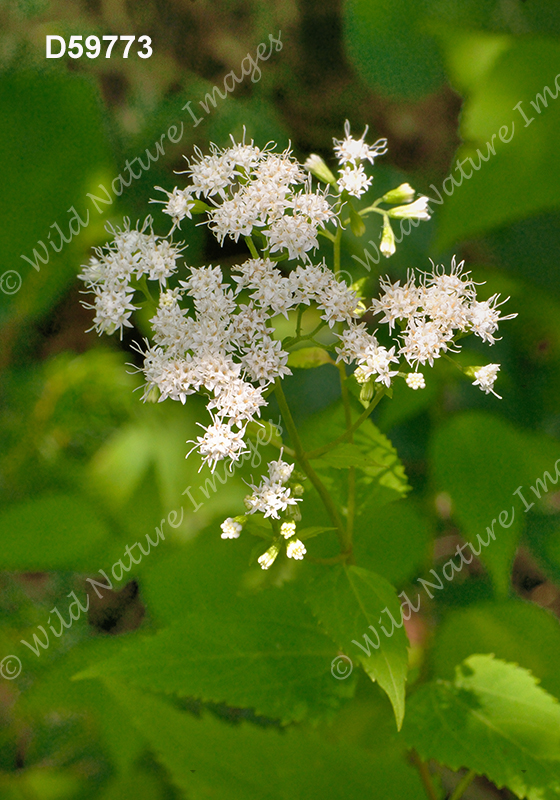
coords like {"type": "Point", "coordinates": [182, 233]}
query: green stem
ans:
{"type": "Point", "coordinates": [251, 245]}
{"type": "Point", "coordinates": [336, 247]}
{"type": "Point", "coordinates": [142, 286]}
{"type": "Point", "coordinates": [332, 510]}
{"type": "Point", "coordinates": [345, 436]}
{"type": "Point", "coordinates": [351, 470]}
{"type": "Point", "coordinates": [463, 785]}
{"type": "Point", "coordinates": [425, 776]}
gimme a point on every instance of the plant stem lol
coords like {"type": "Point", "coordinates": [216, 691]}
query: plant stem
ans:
{"type": "Point", "coordinates": [422, 768]}
{"type": "Point", "coordinates": [345, 436]}
{"type": "Point", "coordinates": [463, 785]}
{"type": "Point", "coordinates": [251, 245]}
{"type": "Point", "coordinates": [351, 470]}
{"type": "Point", "coordinates": [336, 248]}
{"type": "Point", "coordinates": [332, 510]}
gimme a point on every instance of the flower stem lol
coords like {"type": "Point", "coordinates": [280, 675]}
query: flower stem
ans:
{"type": "Point", "coordinates": [332, 510]}
{"type": "Point", "coordinates": [425, 775]}
{"type": "Point", "coordinates": [348, 433]}
{"type": "Point", "coordinates": [351, 470]}
{"type": "Point", "coordinates": [251, 245]}
{"type": "Point", "coordinates": [463, 785]}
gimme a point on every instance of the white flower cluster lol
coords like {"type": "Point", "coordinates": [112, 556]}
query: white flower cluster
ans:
{"type": "Point", "coordinates": [215, 334]}
{"type": "Point", "coordinates": [430, 317]}
{"type": "Point", "coordinates": [131, 255]}
{"type": "Point", "coordinates": [255, 191]}
{"type": "Point", "coordinates": [272, 495]}
{"type": "Point", "coordinates": [350, 153]}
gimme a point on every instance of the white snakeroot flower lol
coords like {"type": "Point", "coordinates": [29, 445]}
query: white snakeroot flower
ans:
{"type": "Point", "coordinates": [159, 260]}
{"type": "Point", "coordinates": [455, 283]}
{"type": "Point", "coordinates": [287, 529]}
{"type": "Point", "coordinates": [415, 380]}
{"type": "Point", "coordinates": [231, 529]}
{"type": "Point", "coordinates": [356, 150]}
{"type": "Point", "coordinates": [279, 471]}
{"type": "Point", "coordinates": [354, 181]}
{"type": "Point", "coordinates": [424, 341]}
{"type": "Point", "coordinates": [314, 206]}
{"type": "Point", "coordinates": [178, 206]}
{"type": "Point", "coordinates": [238, 400]}
{"type": "Point", "coordinates": [269, 499]}
{"type": "Point", "coordinates": [355, 341]}
{"type": "Point", "coordinates": [419, 209]}
{"type": "Point", "coordinates": [485, 317]}
{"type": "Point", "coordinates": [377, 361]}
{"type": "Point", "coordinates": [294, 234]}
{"type": "Point", "coordinates": [267, 559]}
{"type": "Point", "coordinates": [396, 302]}
{"type": "Point", "coordinates": [338, 301]}
{"type": "Point", "coordinates": [210, 174]}
{"type": "Point", "coordinates": [296, 549]}
{"type": "Point", "coordinates": [266, 361]}
{"type": "Point", "coordinates": [112, 309]}
{"type": "Point", "coordinates": [485, 378]}
{"type": "Point", "coordinates": [219, 441]}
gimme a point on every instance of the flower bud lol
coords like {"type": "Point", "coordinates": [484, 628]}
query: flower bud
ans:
{"type": "Point", "coordinates": [317, 167]}
{"type": "Point", "coordinates": [366, 392]}
{"type": "Point", "coordinates": [417, 210]}
{"type": "Point", "coordinates": [388, 245]}
{"type": "Point", "coordinates": [267, 559]}
{"type": "Point", "coordinates": [402, 194]}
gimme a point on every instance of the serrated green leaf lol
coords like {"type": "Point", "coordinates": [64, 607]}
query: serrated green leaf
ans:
{"type": "Point", "coordinates": [349, 601]}
{"type": "Point", "coordinates": [513, 630]}
{"type": "Point", "coordinates": [346, 455]}
{"type": "Point", "coordinates": [380, 463]}
{"type": "Point", "coordinates": [209, 758]}
{"type": "Point", "coordinates": [239, 653]}
{"type": "Point", "coordinates": [493, 719]}
{"type": "Point", "coordinates": [309, 357]}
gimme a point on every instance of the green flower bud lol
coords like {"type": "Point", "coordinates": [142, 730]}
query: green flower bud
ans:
{"type": "Point", "coordinates": [388, 245]}
{"type": "Point", "coordinates": [366, 392]}
{"type": "Point", "coordinates": [402, 194]}
{"type": "Point", "coordinates": [317, 167]}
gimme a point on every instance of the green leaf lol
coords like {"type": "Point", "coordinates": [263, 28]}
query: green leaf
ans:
{"type": "Point", "coordinates": [380, 463]}
{"type": "Point", "coordinates": [388, 45]}
{"type": "Point", "coordinates": [392, 540]}
{"type": "Point", "coordinates": [208, 758]}
{"type": "Point", "coordinates": [357, 224]}
{"type": "Point", "coordinates": [493, 719]}
{"type": "Point", "coordinates": [309, 357]}
{"type": "Point", "coordinates": [522, 177]}
{"type": "Point", "coordinates": [514, 630]}
{"type": "Point", "coordinates": [57, 116]}
{"type": "Point", "coordinates": [481, 460]}
{"type": "Point", "coordinates": [51, 532]}
{"type": "Point", "coordinates": [349, 602]}
{"type": "Point", "coordinates": [346, 455]}
{"type": "Point", "coordinates": [239, 653]}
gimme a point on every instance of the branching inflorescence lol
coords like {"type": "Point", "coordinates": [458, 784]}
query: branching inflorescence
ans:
{"type": "Point", "coordinates": [215, 334]}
